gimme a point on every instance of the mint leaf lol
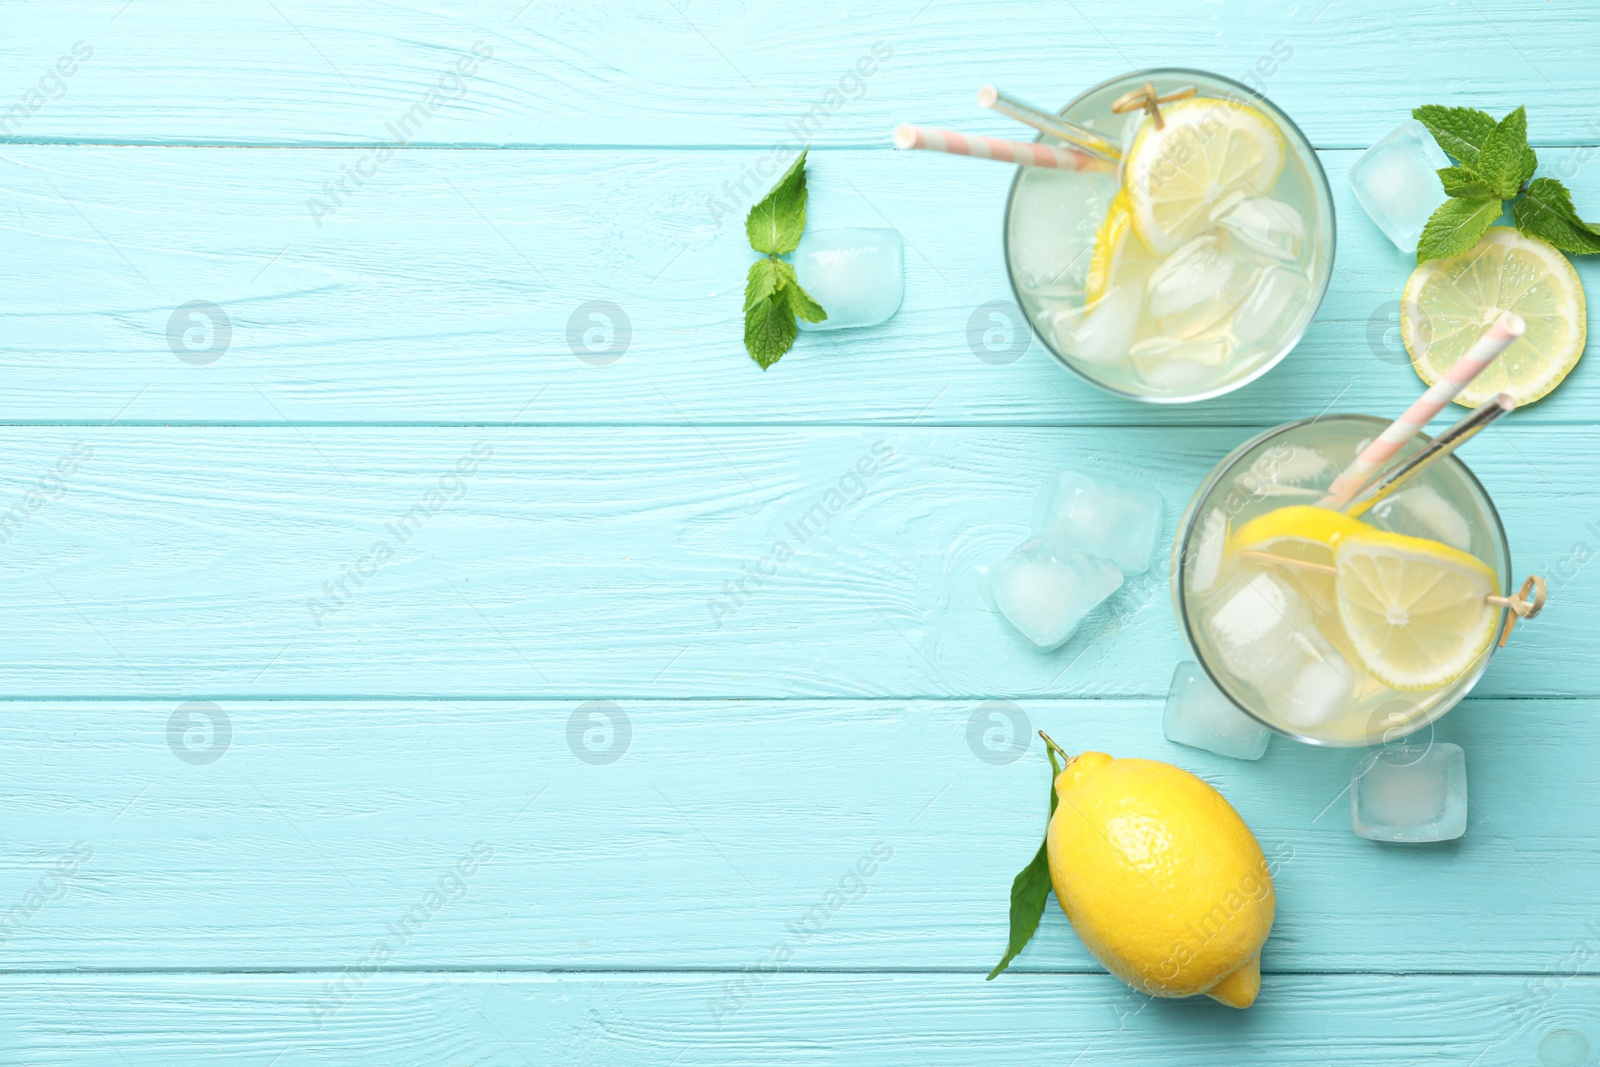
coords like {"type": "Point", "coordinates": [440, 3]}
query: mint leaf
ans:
{"type": "Point", "coordinates": [800, 301]}
{"type": "Point", "coordinates": [1505, 161]}
{"type": "Point", "coordinates": [769, 330]}
{"type": "Point", "coordinates": [1030, 889]}
{"type": "Point", "coordinates": [775, 223]}
{"type": "Point", "coordinates": [1460, 131]}
{"type": "Point", "coordinates": [1456, 226]}
{"type": "Point", "coordinates": [761, 282]}
{"type": "Point", "coordinates": [1546, 212]}
{"type": "Point", "coordinates": [1463, 181]}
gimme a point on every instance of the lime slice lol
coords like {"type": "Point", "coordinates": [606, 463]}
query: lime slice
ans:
{"type": "Point", "coordinates": [1205, 151]}
{"type": "Point", "coordinates": [1414, 610]}
{"type": "Point", "coordinates": [1299, 534]}
{"type": "Point", "coordinates": [1448, 303]}
{"type": "Point", "coordinates": [1110, 243]}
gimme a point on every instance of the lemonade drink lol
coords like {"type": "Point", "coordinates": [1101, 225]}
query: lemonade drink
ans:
{"type": "Point", "coordinates": [1193, 266]}
{"type": "Point", "coordinates": [1331, 628]}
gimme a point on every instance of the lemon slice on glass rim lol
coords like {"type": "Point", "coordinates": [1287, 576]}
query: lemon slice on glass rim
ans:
{"type": "Point", "coordinates": [1205, 149]}
{"type": "Point", "coordinates": [1416, 611]}
{"type": "Point", "coordinates": [1448, 303]}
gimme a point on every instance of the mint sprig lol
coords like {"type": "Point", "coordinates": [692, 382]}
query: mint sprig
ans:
{"type": "Point", "coordinates": [1030, 889]}
{"type": "Point", "coordinates": [772, 292]}
{"type": "Point", "coordinates": [1495, 164]}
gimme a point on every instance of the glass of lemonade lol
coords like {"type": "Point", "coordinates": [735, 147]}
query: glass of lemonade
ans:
{"type": "Point", "coordinates": [1339, 629]}
{"type": "Point", "coordinates": [1191, 267]}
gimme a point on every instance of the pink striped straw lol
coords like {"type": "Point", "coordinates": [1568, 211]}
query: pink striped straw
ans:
{"type": "Point", "coordinates": [1022, 153]}
{"type": "Point", "coordinates": [1495, 340]}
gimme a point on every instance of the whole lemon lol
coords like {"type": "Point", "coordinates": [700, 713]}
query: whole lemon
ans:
{"type": "Point", "coordinates": [1160, 877]}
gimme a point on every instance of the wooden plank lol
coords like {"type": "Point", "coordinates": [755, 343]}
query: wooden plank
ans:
{"type": "Point", "coordinates": [864, 835]}
{"type": "Point", "coordinates": [452, 289]}
{"type": "Point", "coordinates": [721, 73]}
{"type": "Point", "coordinates": [595, 561]}
{"type": "Point", "coordinates": [661, 1020]}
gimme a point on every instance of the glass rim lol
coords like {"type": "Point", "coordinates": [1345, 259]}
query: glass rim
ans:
{"type": "Point", "coordinates": [1320, 185]}
{"type": "Point", "coordinates": [1190, 520]}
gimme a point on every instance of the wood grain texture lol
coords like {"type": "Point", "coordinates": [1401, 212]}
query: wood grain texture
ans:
{"type": "Point", "coordinates": [861, 835]}
{"type": "Point", "coordinates": [722, 72]}
{"type": "Point", "coordinates": [666, 1020]}
{"type": "Point", "coordinates": [452, 288]}
{"type": "Point", "coordinates": [607, 562]}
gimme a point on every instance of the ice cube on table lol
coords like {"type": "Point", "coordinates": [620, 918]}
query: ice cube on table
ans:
{"type": "Point", "coordinates": [1410, 793]}
{"type": "Point", "coordinates": [1199, 715]}
{"type": "Point", "coordinates": [858, 276]}
{"type": "Point", "coordinates": [1173, 365]}
{"type": "Point", "coordinates": [1262, 225]}
{"type": "Point", "coordinates": [1107, 517]}
{"type": "Point", "coordinates": [1397, 183]}
{"type": "Point", "coordinates": [1103, 332]}
{"type": "Point", "coordinates": [1263, 631]}
{"type": "Point", "coordinates": [1276, 296]}
{"type": "Point", "coordinates": [1045, 594]}
{"type": "Point", "coordinates": [1419, 510]}
{"type": "Point", "coordinates": [1197, 286]}
{"type": "Point", "coordinates": [1205, 548]}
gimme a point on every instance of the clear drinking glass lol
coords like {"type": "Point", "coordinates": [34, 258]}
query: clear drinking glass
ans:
{"type": "Point", "coordinates": [1294, 464]}
{"type": "Point", "coordinates": [1227, 304]}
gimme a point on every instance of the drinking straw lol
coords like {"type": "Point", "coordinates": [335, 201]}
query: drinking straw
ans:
{"type": "Point", "coordinates": [1044, 122]}
{"type": "Point", "coordinates": [1447, 442]}
{"type": "Point", "coordinates": [1495, 340]}
{"type": "Point", "coordinates": [1022, 153]}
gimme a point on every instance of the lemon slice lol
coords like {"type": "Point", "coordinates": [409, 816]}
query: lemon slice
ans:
{"type": "Point", "coordinates": [1300, 534]}
{"type": "Point", "coordinates": [1110, 242]}
{"type": "Point", "coordinates": [1414, 609]}
{"type": "Point", "coordinates": [1205, 150]}
{"type": "Point", "coordinates": [1448, 303]}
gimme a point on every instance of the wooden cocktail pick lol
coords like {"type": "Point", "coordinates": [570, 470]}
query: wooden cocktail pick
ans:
{"type": "Point", "coordinates": [1146, 99]}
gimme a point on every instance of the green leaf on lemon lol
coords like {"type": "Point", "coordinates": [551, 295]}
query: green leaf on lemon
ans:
{"type": "Point", "coordinates": [1030, 889]}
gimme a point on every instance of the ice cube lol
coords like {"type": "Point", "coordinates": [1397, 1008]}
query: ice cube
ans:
{"type": "Point", "coordinates": [1103, 332]}
{"type": "Point", "coordinates": [1288, 470]}
{"type": "Point", "coordinates": [1420, 511]}
{"type": "Point", "coordinates": [1320, 690]}
{"type": "Point", "coordinates": [1197, 286]}
{"type": "Point", "coordinates": [1396, 182]}
{"type": "Point", "coordinates": [1264, 633]}
{"type": "Point", "coordinates": [1045, 594]}
{"type": "Point", "coordinates": [858, 276]}
{"type": "Point", "coordinates": [1103, 517]}
{"type": "Point", "coordinates": [1173, 366]}
{"type": "Point", "coordinates": [1200, 716]}
{"type": "Point", "coordinates": [1262, 225]}
{"type": "Point", "coordinates": [1053, 218]}
{"type": "Point", "coordinates": [1205, 549]}
{"type": "Point", "coordinates": [1275, 298]}
{"type": "Point", "coordinates": [1410, 793]}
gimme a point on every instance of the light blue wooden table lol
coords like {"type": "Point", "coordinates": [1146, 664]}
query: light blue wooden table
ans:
{"type": "Point", "coordinates": [372, 695]}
